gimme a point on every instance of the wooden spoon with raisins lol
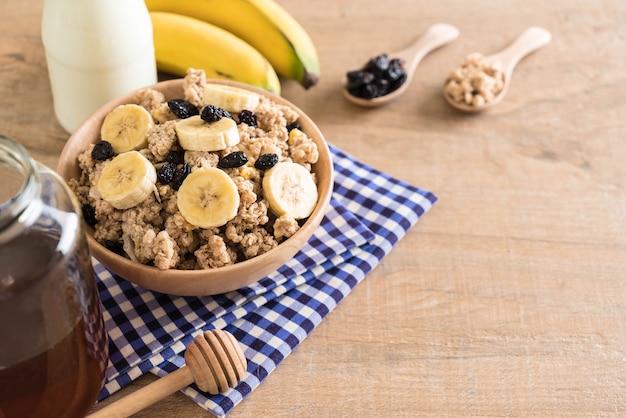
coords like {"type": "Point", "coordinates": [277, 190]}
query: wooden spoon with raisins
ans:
{"type": "Point", "coordinates": [385, 77]}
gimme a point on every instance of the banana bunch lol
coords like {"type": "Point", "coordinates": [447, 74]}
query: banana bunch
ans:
{"type": "Point", "coordinates": [252, 41]}
{"type": "Point", "coordinates": [181, 42]}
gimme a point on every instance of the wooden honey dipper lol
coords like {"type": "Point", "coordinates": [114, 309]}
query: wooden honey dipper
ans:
{"type": "Point", "coordinates": [214, 361]}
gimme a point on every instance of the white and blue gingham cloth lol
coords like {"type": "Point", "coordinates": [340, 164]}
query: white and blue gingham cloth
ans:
{"type": "Point", "coordinates": [148, 331]}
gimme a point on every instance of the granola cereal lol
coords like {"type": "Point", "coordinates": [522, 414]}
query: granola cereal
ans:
{"type": "Point", "coordinates": [154, 232]}
{"type": "Point", "coordinates": [476, 81]}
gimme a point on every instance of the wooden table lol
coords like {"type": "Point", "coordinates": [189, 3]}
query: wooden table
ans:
{"type": "Point", "coordinates": [509, 297]}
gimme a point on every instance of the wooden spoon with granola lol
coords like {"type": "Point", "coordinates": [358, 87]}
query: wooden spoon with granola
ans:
{"type": "Point", "coordinates": [481, 82]}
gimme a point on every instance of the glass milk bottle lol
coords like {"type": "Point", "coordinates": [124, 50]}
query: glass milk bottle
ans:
{"type": "Point", "coordinates": [54, 350]}
{"type": "Point", "coordinates": [96, 50]}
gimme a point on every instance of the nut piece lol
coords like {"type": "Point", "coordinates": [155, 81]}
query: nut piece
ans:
{"type": "Point", "coordinates": [476, 81]}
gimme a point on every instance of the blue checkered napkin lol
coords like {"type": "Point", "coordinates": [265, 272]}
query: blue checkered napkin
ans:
{"type": "Point", "coordinates": [148, 331]}
{"type": "Point", "coordinates": [144, 326]}
{"type": "Point", "coordinates": [386, 207]}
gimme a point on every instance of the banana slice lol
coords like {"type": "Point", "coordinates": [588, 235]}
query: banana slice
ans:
{"type": "Point", "coordinates": [290, 190]}
{"type": "Point", "coordinates": [230, 98]}
{"type": "Point", "coordinates": [208, 198]}
{"type": "Point", "coordinates": [194, 134]}
{"type": "Point", "coordinates": [127, 180]}
{"type": "Point", "coordinates": [126, 126]}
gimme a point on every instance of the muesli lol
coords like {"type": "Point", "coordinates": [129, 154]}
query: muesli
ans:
{"type": "Point", "coordinates": [212, 178]}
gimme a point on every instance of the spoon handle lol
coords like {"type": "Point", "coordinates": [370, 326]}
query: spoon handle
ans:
{"type": "Point", "coordinates": [146, 396]}
{"type": "Point", "coordinates": [435, 36]}
{"type": "Point", "coordinates": [528, 41]}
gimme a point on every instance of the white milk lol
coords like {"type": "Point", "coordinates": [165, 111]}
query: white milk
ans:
{"type": "Point", "coordinates": [96, 50]}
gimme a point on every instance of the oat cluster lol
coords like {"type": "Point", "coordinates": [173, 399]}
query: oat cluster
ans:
{"type": "Point", "coordinates": [476, 81]}
{"type": "Point", "coordinates": [155, 233]}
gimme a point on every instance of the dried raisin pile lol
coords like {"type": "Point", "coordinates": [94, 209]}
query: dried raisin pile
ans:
{"type": "Point", "coordinates": [380, 76]}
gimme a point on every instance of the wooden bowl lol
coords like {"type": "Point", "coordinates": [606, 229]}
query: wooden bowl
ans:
{"type": "Point", "coordinates": [210, 281]}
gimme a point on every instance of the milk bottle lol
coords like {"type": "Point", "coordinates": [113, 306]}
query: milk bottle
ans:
{"type": "Point", "coordinates": [96, 50]}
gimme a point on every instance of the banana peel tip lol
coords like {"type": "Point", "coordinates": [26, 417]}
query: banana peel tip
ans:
{"type": "Point", "coordinates": [309, 80]}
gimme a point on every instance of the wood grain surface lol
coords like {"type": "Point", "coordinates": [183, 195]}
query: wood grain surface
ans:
{"type": "Point", "coordinates": [509, 297]}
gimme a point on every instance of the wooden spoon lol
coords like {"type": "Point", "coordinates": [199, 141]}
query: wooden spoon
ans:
{"type": "Point", "coordinates": [528, 41]}
{"type": "Point", "coordinates": [215, 362]}
{"type": "Point", "coordinates": [436, 36]}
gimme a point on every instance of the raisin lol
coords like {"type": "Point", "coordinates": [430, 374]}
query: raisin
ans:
{"type": "Point", "coordinates": [382, 85]}
{"type": "Point", "coordinates": [368, 91]}
{"type": "Point", "coordinates": [176, 156]}
{"type": "Point", "coordinates": [266, 161]}
{"type": "Point", "coordinates": [378, 65]}
{"type": "Point", "coordinates": [358, 78]}
{"type": "Point", "coordinates": [180, 176]}
{"type": "Point", "coordinates": [397, 83]}
{"type": "Point", "coordinates": [89, 214]}
{"type": "Point", "coordinates": [233, 160]}
{"type": "Point", "coordinates": [293, 125]}
{"type": "Point", "coordinates": [103, 150]}
{"type": "Point", "coordinates": [249, 118]}
{"type": "Point", "coordinates": [115, 246]}
{"type": "Point", "coordinates": [226, 114]}
{"type": "Point", "coordinates": [165, 174]}
{"type": "Point", "coordinates": [212, 113]}
{"type": "Point", "coordinates": [395, 70]}
{"type": "Point", "coordinates": [182, 108]}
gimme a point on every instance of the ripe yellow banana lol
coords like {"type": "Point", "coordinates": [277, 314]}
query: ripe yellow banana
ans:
{"type": "Point", "coordinates": [182, 42]}
{"type": "Point", "coordinates": [264, 24]}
